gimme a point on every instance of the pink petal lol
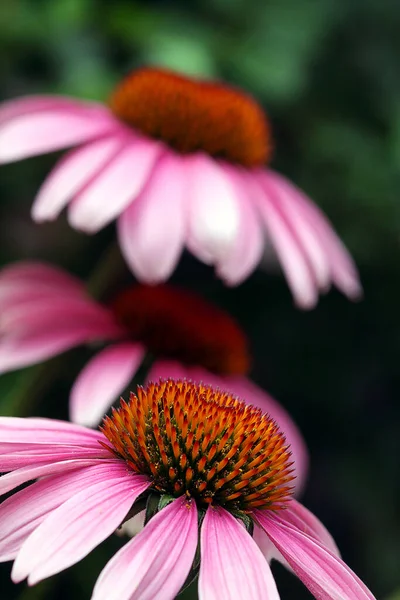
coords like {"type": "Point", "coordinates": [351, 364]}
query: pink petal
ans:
{"type": "Point", "coordinates": [152, 230]}
{"type": "Point", "coordinates": [71, 173]}
{"type": "Point", "coordinates": [289, 251]}
{"type": "Point", "coordinates": [325, 575]}
{"type": "Point", "coordinates": [41, 456]}
{"type": "Point", "coordinates": [52, 129]}
{"type": "Point", "coordinates": [300, 517]}
{"type": "Point", "coordinates": [344, 271]}
{"type": "Point", "coordinates": [21, 514]}
{"type": "Point", "coordinates": [57, 312]}
{"type": "Point", "coordinates": [165, 369]}
{"type": "Point", "coordinates": [249, 245]}
{"type": "Point", "coordinates": [252, 394]}
{"type": "Point", "coordinates": [214, 216]}
{"type": "Point", "coordinates": [28, 348]}
{"type": "Point", "coordinates": [102, 380]}
{"type": "Point", "coordinates": [232, 566]}
{"type": "Point", "coordinates": [114, 188]}
{"type": "Point", "coordinates": [307, 238]}
{"type": "Point", "coordinates": [27, 275]}
{"type": "Point", "coordinates": [80, 524]}
{"type": "Point", "coordinates": [51, 467]}
{"type": "Point", "coordinates": [28, 105]}
{"type": "Point", "coordinates": [38, 431]}
{"type": "Point", "coordinates": [155, 563]}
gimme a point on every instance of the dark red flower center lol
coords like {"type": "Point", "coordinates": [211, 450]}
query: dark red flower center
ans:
{"type": "Point", "coordinates": [194, 116]}
{"type": "Point", "coordinates": [177, 324]}
{"type": "Point", "coordinates": [190, 439]}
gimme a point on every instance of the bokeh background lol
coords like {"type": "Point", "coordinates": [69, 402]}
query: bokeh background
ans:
{"type": "Point", "coordinates": [327, 72]}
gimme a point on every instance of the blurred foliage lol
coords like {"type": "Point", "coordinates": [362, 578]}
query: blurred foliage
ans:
{"type": "Point", "coordinates": [327, 72]}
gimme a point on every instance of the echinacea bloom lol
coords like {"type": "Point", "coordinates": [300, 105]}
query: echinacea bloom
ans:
{"type": "Point", "coordinates": [179, 163]}
{"type": "Point", "coordinates": [213, 475]}
{"type": "Point", "coordinates": [45, 311]}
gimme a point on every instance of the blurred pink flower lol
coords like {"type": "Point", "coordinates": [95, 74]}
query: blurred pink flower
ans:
{"type": "Point", "coordinates": [87, 483]}
{"type": "Point", "coordinates": [45, 311]}
{"type": "Point", "coordinates": [178, 163]}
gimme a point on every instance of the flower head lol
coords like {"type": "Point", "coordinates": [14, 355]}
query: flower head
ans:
{"type": "Point", "coordinates": [45, 311]}
{"type": "Point", "coordinates": [212, 474]}
{"type": "Point", "coordinates": [179, 163]}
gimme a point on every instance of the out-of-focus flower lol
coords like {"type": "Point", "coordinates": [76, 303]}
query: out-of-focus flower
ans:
{"type": "Point", "coordinates": [45, 311]}
{"type": "Point", "coordinates": [213, 475]}
{"type": "Point", "coordinates": [179, 163]}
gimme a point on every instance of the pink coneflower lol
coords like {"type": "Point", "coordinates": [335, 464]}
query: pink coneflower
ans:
{"type": "Point", "coordinates": [45, 311]}
{"type": "Point", "coordinates": [212, 473]}
{"type": "Point", "coordinates": [179, 163]}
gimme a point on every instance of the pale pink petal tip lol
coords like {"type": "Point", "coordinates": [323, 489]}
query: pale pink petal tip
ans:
{"type": "Point", "coordinates": [42, 127]}
{"type": "Point", "coordinates": [102, 381]}
{"type": "Point", "coordinates": [311, 253]}
{"type": "Point", "coordinates": [152, 230]}
{"type": "Point", "coordinates": [155, 563]}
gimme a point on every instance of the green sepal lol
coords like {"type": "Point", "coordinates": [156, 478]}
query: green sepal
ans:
{"type": "Point", "coordinates": [155, 503]}
{"type": "Point", "coordinates": [246, 520]}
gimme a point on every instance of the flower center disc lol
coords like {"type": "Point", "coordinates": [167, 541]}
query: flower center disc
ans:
{"type": "Point", "coordinates": [177, 324]}
{"type": "Point", "coordinates": [192, 116]}
{"type": "Point", "coordinates": [193, 440]}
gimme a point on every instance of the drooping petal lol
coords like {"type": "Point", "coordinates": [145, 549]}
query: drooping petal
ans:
{"type": "Point", "coordinates": [300, 517]}
{"type": "Point", "coordinates": [70, 174]}
{"type": "Point", "coordinates": [23, 277]}
{"type": "Point", "coordinates": [301, 228]}
{"type": "Point", "coordinates": [249, 245]}
{"type": "Point", "coordinates": [80, 524]}
{"type": "Point", "coordinates": [102, 380]}
{"type": "Point", "coordinates": [213, 208]}
{"type": "Point", "coordinates": [292, 258]}
{"type": "Point", "coordinates": [155, 563]}
{"type": "Point", "coordinates": [52, 129]}
{"type": "Point", "coordinates": [344, 272]}
{"type": "Point", "coordinates": [115, 187]}
{"type": "Point", "coordinates": [22, 513]}
{"type": "Point", "coordinates": [232, 566]}
{"type": "Point", "coordinates": [325, 575]}
{"type": "Point", "coordinates": [28, 348]}
{"type": "Point", "coordinates": [152, 230]}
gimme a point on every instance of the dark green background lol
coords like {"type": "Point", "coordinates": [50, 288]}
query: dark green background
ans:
{"type": "Point", "coordinates": [327, 72]}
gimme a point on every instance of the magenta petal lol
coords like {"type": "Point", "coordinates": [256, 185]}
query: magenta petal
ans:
{"type": "Point", "coordinates": [291, 255]}
{"type": "Point", "coordinates": [52, 466]}
{"type": "Point", "coordinates": [154, 564]}
{"type": "Point", "coordinates": [71, 173]}
{"type": "Point", "coordinates": [80, 524]}
{"type": "Point", "coordinates": [102, 380]}
{"type": "Point", "coordinates": [300, 517]}
{"type": "Point", "coordinates": [152, 229]}
{"type": "Point", "coordinates": [115, 186]}
{"type": "Point", "coordinates": [343, 269]}
{"type": "Point", "coordinates": [325, 575]}
{"type": "Point", "coordinates": [22, 513]}
{"type": "Point", "coordinates": [232, 566]}
{"type": "Point", "coordinates": [51, 129]}
{"type": "Point", "coordinates": [39, 431]}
